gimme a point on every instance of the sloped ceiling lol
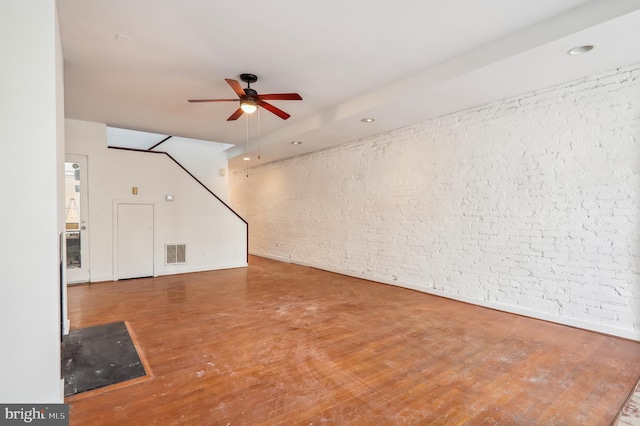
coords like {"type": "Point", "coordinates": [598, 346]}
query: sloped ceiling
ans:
{"type": "Point", "coordinates": [399, 62]}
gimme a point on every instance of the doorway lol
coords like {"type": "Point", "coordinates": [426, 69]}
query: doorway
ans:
{"type": "Point", "coordinates": [134, 245]}
{"type": "Point", "coordinates": [76, 238]}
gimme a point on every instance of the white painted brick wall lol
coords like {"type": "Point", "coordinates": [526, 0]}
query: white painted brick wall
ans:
{"type": "Point", "coordinates": [529, 204]}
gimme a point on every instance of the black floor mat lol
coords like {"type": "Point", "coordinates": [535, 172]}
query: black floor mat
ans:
{"type": "Point", "coordinates": [99, 356]}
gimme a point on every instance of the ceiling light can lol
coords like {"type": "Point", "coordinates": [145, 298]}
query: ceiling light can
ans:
{"type": "Point", "coordinates": [297, 142]}
{"type": "Point", "coordinates": [123, 38]}
{"type": "Point", "coordinates": [368, 120]}
{"type": "Point", "coordinates": [579, 50]}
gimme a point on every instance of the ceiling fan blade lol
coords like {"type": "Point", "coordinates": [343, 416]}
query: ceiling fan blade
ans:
{"type": "Point", "coordinates": [236, 87]}
{"type": "Point", "coordinates": [235, 115]}
{"type": "Point", "coordinates": [277, 111]}
{"type": "Point", "coordinates": [280, 97]}
{"type": "Point", "coordinates": [212, 100]}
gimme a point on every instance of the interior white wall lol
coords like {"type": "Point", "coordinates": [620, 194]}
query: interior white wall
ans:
{"type": "Point", "coordinates": [61, 181]}
{"type": "Point", "coordinates": [216, 238]}
{"type": "Point", "coordinates": [204, 160]}
{"type": "Point", "coordinates": [529, 205]}
{"type": "Point", "coordinates": [31, 168]}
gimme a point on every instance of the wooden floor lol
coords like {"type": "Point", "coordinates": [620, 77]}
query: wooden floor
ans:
{"type": "Point", "coordinates": [283, 344]}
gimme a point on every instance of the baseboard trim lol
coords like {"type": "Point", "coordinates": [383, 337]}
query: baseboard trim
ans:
{"type": "Point", "coordinates": [101, 278]}
{"type": "Point", "coordinates": [571, 322]}
{"type": "Point", "coordinates": [181, 271]}
{"type": "Point", "coordinates": [192, 270]}
{"type": "Point", "coordinates": [60, 399]}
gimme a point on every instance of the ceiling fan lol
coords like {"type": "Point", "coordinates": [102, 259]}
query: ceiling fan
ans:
{"type": "Point", "coordinates": [250, 100]}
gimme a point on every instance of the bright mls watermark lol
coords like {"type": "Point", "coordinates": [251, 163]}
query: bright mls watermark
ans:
{"type": "Point", "coordinates": [34, 414]}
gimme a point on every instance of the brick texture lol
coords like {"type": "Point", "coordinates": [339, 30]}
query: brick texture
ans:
{"type": "Point", "coordinates": [530, 203]}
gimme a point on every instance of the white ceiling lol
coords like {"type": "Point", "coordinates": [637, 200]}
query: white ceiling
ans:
{"type": "Point", "coordinates": [400, 62]}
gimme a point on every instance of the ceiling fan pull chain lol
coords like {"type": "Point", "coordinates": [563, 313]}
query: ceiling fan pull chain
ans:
{"type": "Point", "coordinates": [247, 132]}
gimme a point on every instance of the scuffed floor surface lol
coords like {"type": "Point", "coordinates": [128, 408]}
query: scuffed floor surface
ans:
{"type": "Point", "coordinates": [630, 414]}
{"type": "Point", "coordinates": [280, 344]}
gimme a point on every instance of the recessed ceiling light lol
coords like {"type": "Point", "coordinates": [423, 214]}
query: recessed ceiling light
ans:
{"type": "Point", "coordinates": [123, 38]}
{"type": "Point", "coordinates": [368, 120]}
{"type": "Point", "coordinates": [246, 158]}
{"type": "Point", "coordinates": [579, 50]}
{"type": "Point", "coordinates": [297, 142]}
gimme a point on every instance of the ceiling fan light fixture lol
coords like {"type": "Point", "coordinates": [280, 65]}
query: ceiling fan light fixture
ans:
{"type": "Point", "coordinates": [250, 99]}
{"type": "Point", "coordinates": [248, 105]}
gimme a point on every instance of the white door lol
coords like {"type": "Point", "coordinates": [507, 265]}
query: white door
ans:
{"type": "Point", "coordinates": [76, 219]}
{"type": "Point", "coordinates": [135, 241]}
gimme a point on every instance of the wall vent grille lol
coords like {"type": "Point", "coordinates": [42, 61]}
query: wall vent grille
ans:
{"type": "Point", "coordinates": [175, 254]}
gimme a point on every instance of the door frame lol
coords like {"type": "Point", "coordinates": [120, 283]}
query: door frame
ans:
{"type": "Point", "coordinates": [84, 273]}
{"type": "Point", "coordinates": [114, 233]}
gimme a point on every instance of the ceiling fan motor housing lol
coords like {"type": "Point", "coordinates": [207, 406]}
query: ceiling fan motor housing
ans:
{"type": "Point", "coordinates": [249, 78]}
{"type": "Point", "coordinates": [250, 92]}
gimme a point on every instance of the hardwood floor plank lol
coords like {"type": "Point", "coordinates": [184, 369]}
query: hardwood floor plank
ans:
{"type": "Point", "coordinates": [277, 343]}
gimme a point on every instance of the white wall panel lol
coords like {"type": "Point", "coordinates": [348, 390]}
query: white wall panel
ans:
{"type": "Point", "coordinates": [31, 169]}
{"type": "Point", "coordinates": [215, 237]}
{"type": "Point", "coordinates": [530, 204]}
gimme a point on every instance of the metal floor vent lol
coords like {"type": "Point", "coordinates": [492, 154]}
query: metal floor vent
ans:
{"type": "Point", "coordinates": [175, 253]}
